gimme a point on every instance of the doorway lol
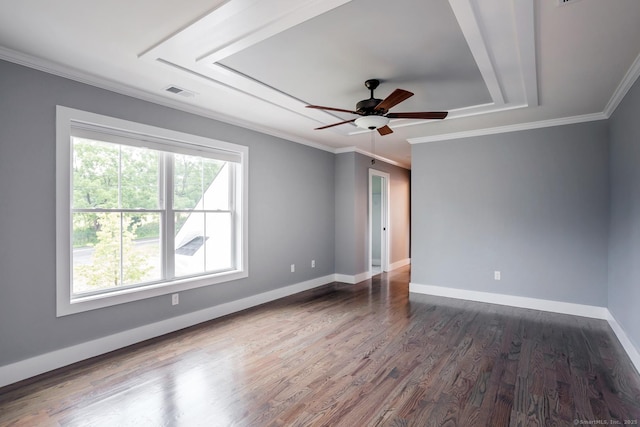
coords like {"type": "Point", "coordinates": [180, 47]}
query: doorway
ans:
{"type": "Point", "coordinates": [378, 222]}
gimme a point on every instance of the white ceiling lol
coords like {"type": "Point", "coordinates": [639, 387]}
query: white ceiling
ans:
{"type": "Point", "coordinates": [494, 65]}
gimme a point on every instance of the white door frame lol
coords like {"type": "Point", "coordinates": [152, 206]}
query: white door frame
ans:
{"type": "Point", "coordinates": [386, 230]}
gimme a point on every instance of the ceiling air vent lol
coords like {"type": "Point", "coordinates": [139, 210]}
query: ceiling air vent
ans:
{"type": "Point", "coordinates": [564, 2]}
{"type": "Point", "coordinates": [179, 91]}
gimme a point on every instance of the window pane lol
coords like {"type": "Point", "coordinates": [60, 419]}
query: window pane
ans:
{"type": "Point", "coordinates": [139, 178]}
{"type": "Point", "coordinates": [189, 244]}
{"type": "Point", "coordinates": [141, 248]}
{"type": "Point", "coordinates": [196, 176]}
{"type": "Point", "coordinates": [97, 266]}
{"type": "Point", "coordinates": [85, 226]}
{"type": "Point", "coordinates": [217, 183]}
{"type": "Point", "coordinates": [187, 181]}
{"type": "Point", "coordinates": [95, 174]}
{"type": "Point", "coordinates": [118, 177]}
{"type": "Point", "coordinates": [218, 242]}
{"type": "Point", "coordinates": [112, 238]}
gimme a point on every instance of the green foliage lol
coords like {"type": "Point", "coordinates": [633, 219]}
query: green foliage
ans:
{"type": "Point", "coordinates": [192, 177]}
{"type": "Point", "coordinates": [112, 176]}
{"type": "Point", "coordinates": [114, 245]}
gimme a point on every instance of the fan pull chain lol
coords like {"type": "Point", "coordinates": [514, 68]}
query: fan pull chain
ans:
{"type": "Point", "coordinates": [373, 147]}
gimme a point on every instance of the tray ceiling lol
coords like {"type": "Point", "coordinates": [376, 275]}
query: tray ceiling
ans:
{"type": "Point", "coordinates": [495, 66]}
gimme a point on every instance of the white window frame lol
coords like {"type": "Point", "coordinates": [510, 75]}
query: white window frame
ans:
{"type": "Point", "coordinates": [71, 121]}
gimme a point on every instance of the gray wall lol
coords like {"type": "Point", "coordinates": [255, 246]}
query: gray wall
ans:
{"type": "Point", "coordinates": [291, 214]}
{"type": "Point", "coordinates": [399, 206]}
{"type": "Point", "coordinates": [352, 232]}
{"type": "Point", "coordinates": [345, 214]}
{"type": "Point", "coordinates": [624, 241]}
{"type": "Point", "coordinates": [532, 204]}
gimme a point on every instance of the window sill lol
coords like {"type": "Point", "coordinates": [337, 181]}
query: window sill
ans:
{"type": "Point", "coordinates": [67, 305]}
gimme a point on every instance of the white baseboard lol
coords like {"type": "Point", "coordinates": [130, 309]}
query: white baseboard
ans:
{"type": "Point", "coordinates": [36, 365]}
{"type": "Point", "coordinates": [628, 346]}
{"type": "Point", "coordinates": [398, 264]}
{"type": "Point", "coordinates": [513, 301]}
{"type": "Point", "coordinates": [352, 279]}
{"type": "Point", "coordinates": [592, 311]}
{"type": "Point", "coordinates": [357, 278]}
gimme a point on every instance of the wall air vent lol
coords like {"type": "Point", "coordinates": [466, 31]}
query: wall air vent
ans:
{"type": "Point", "coordinates": [179, 91]}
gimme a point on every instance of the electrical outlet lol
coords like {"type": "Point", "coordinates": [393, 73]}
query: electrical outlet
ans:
{"type": "Point", "coordinates": [496, 275]}
{"type": "Point", "coordinates": [175, 299]}
{"type": "Point", "coordinates": [293, 268]}
{"type": "Point", "coordinates": [313, 263]}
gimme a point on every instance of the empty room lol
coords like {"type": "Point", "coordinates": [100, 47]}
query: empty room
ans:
{"type": "Point", "coordinates": [320, 213]}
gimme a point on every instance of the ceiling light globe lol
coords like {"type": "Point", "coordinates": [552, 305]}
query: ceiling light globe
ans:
{"type": "Point", "coordinates": [371, 122]}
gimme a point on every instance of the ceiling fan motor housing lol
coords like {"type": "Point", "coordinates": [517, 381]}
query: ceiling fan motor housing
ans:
{"type": "Point", "coordinates": [367, 106]}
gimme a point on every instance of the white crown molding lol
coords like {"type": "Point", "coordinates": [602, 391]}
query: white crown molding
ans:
{"type": "Point", "coordinates": [254, 21]}
{"type": "Point", "coordinates": [65, 72]}
{"type": "Point", "coordinates": [621, 91]}
{"type": "Point", "coordinates": [470, 26]}
{"type": "Point", "coordinates": [504, 50]}
{"type": "Point", "coordinates": [237, 25]}
{"type": "Point", "coordinates": [510, 128]}
{"type": "Point", "coordinates": [524, 15]}
{"type": "Point", "coordinates": [353, 149]}
{"type": "Point", "coordinates": [625, 85]}
{"type": "Point", "coordinates": [101, 83]}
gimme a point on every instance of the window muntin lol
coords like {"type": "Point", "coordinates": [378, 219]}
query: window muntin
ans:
{"type": "Point", "coordinates": [116, 216]}
{"type": "Point", "coordinates": [134, 191]}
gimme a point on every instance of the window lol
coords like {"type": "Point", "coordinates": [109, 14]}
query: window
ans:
{"type": "Point", "coordinates": [144, 211]}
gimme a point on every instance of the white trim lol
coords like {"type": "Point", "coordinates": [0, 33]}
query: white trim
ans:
{"type": "Point", "coordinates": [476, 40]}
{"type": "Point", "coordinates": [42, 363]}
{"type": "Point", "coordinates": [524, 15]}
{"type": "Point", "coordinates": [66, 118]}
{"type": "Point", "coordinates": [353, 149]}
{"type": "Point", "coordinates": [621, 91]}
{"type": "Point", "coordinates": [63, 71]}
{"type": "Point", "coordinates": [352, 279]}
{"type": "Point", "coordinates": [399, 264]}
{"type": "Point", "coordinates": [510, 128]}
{"type": "Point", "coordinates": [68, 73]}
{"type": "Point", "coordinates": [36, 365]}
{"type": "Point", "coordinates": [628, 346]}
{"type": "Point", "coordinates": [385, 220]}
{"type": "Point", "coordinates": [583, 310]}
{"type": "Point", "coordinates": [595, 312]}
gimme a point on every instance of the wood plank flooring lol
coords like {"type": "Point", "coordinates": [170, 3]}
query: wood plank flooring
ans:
{"type": "Point", "coordinates": [349, 355]}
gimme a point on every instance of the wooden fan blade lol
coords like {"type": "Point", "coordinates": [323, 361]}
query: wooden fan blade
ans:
{"type": "Point", "coordinates": [384, 130]}
{"type": "Point", "coordinates": [335, 124]}
{"type": "Point", "coordinates": [395, 98]}
{"type": "Point", "coordinates": [430, 115]}
{"type": "Point", "coordinates": [319, 107]}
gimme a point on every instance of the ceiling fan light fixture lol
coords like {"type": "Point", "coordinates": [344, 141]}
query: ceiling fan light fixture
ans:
{"type": "Point", "coordinates": [371, 122]}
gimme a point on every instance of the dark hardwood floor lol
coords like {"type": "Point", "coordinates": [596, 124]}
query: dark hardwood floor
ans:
{"type": "Point", "coordinates": [345, 355]}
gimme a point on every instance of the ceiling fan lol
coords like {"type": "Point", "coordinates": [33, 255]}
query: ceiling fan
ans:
{"type": "Point", "coordinates": [375, 112]}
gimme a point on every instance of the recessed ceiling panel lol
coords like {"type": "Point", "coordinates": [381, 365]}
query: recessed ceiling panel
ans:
{"type": "Point", "coordinates": [411, 44]}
